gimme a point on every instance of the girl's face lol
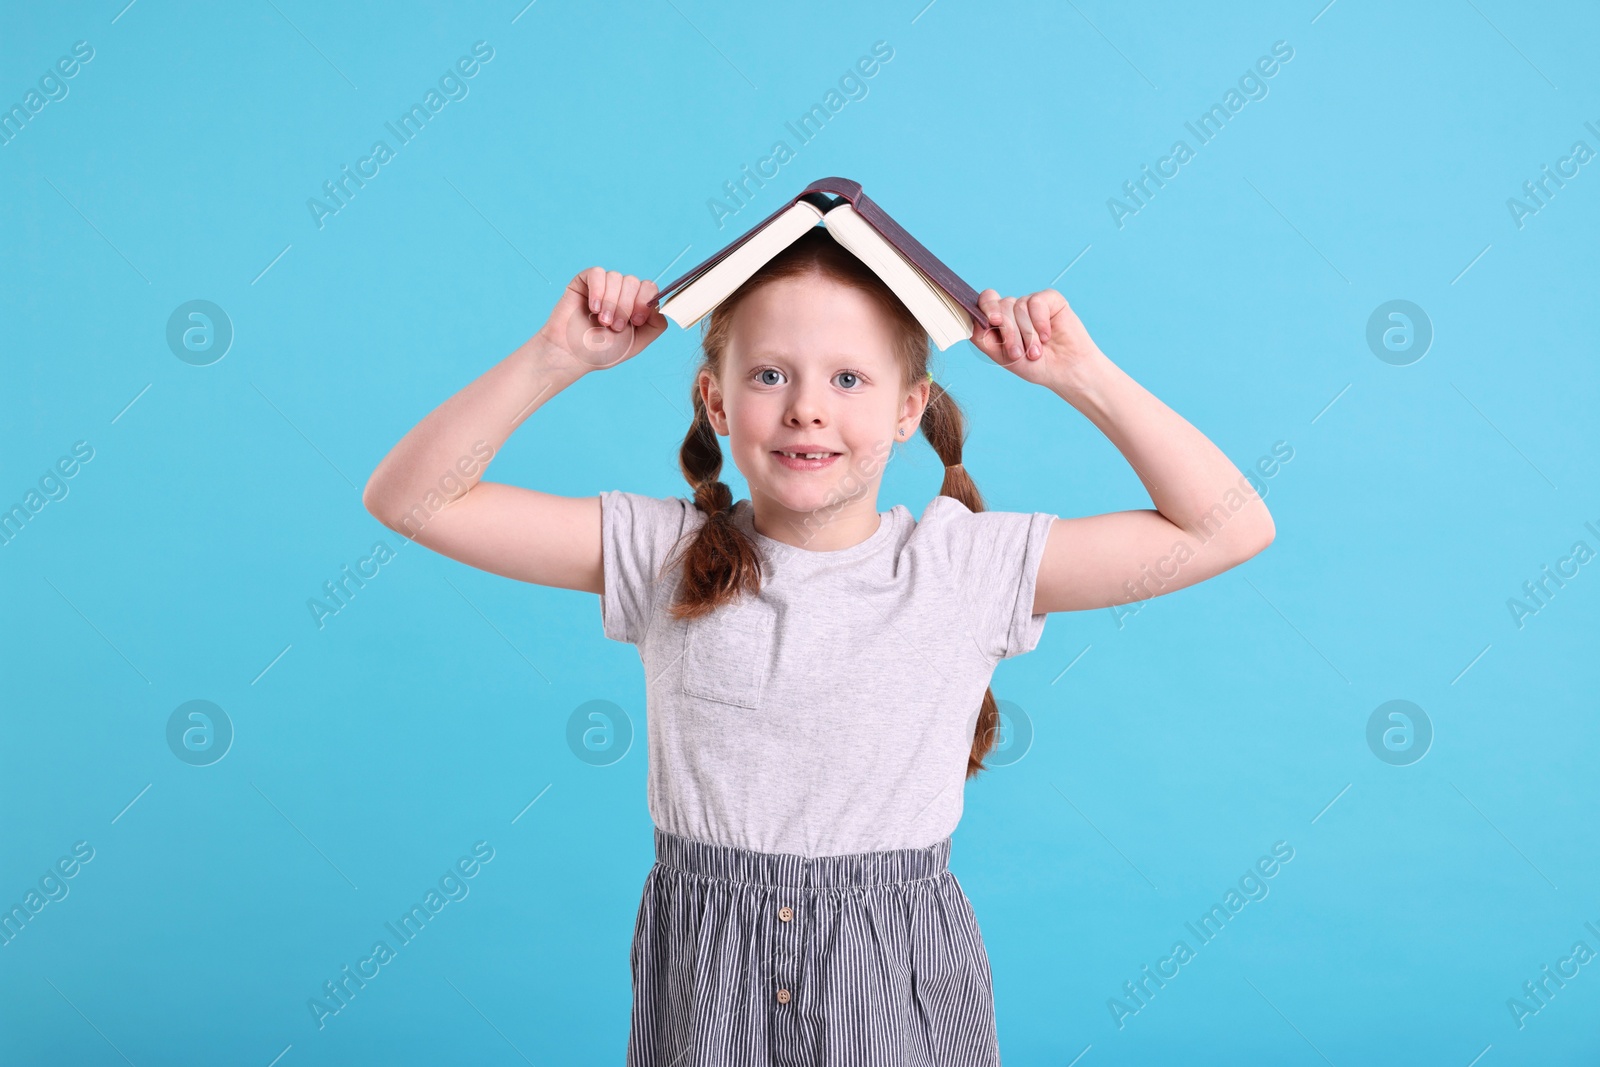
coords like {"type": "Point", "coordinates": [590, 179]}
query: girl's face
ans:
{"type": "Point", "coordinates": [810, 367]}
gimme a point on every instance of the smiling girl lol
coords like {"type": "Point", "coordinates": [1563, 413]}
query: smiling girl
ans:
{"type": "Point", "coordinates": [817, 671]}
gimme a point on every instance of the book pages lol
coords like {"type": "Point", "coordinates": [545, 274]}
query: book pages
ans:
{"type": "Point", "coordinates": [690, 303]}
{"type": "Point", "coordinates": [945, 320]}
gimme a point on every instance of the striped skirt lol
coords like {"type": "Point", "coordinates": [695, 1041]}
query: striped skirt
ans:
{"type": "Point", "coordinates": [743, 958]}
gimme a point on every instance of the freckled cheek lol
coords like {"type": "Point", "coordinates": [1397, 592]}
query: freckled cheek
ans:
{"type": "Point", "coordinates": [755, 419]}
{"type": "Point", "coordinates": [862, 434]}
{"type": "Point", "coordinates": [748, 430]}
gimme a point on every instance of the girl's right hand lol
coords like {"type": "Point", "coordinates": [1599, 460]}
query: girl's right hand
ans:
{"type": "Point", "coordinates": [602, 319]}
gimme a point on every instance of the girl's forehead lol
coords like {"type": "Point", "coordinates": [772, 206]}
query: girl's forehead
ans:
{"type": "Point", "coordinates": [811, 301]}
{"type": "Point", "coordinates": [811, 325]}
{"type": "Point", "coordinates": [814, 354]}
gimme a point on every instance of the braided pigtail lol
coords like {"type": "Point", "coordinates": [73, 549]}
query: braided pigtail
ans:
{"type": "Point", "coordinates": [945, 427]}
{"type": "Point", "coordinates": [719, 562]}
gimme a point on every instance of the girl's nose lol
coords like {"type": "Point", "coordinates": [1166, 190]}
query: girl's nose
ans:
{"type": "Point", "coordinates": [806, 408]}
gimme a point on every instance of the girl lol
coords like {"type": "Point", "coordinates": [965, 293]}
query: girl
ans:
{"type": "Point", "coordinates": [817, 671]}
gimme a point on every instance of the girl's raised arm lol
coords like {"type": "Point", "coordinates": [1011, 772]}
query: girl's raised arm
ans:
{"type": "Point", "coordinates": [429, 488]}
{"type": "Point", "coordinates": [1207, 517]}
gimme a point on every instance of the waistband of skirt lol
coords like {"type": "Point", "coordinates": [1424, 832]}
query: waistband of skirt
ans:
{"type": "Point", "coordinates": [780, 868]}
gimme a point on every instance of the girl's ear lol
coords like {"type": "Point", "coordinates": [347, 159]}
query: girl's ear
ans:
{"type": "Point", "coordinates": [711, 399]}
{"type": "Point", "coordinates": [917, 402]}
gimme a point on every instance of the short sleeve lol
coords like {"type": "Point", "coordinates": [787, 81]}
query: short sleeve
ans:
{"type": "Point", "coordinates": [637, 534]}
{"type": "Point", "coordinates": [995, 556]}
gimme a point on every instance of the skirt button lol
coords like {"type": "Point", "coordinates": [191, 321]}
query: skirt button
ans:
{"type": "Point", "coordinates": [786, 913]}
{"type": "Point", "coordinates": [783, 996]}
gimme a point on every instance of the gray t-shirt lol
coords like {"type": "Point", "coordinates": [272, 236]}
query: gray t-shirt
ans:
{"type": "Point", "coordinates": [832, 714]}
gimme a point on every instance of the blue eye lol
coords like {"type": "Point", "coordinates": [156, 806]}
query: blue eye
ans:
{"type": "Point", "coordinates": [760, 376]}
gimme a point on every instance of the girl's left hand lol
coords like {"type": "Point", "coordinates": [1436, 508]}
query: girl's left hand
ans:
{"type": "Point", "coordinates": [1037, 337]}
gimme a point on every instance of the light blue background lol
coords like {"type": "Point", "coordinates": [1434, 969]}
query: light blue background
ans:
{"type": "Point", "coordinates": [1179, 746]}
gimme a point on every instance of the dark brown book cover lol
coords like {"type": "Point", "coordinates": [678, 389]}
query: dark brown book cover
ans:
{"type": "Point", "coordinates": [818, 192]}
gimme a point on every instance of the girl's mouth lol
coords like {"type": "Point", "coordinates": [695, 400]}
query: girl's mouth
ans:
{"type": "Point", "coordinates": [808, 461]}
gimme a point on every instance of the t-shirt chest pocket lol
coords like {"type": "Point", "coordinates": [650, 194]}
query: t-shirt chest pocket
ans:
{"type": "Point", "coordinates": [727, 654]}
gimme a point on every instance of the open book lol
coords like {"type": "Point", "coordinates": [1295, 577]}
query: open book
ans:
{"type": "Point", "coordinates": [946, 306]}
